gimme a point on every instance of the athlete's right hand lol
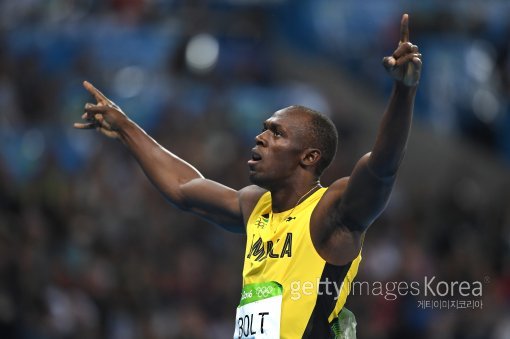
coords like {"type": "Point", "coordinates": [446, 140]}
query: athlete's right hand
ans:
{"type": "Point", "coordinates": [105, 115]}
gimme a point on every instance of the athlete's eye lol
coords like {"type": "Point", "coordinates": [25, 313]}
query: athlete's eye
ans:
{"type": "Point", "coordinates": [273, 129]}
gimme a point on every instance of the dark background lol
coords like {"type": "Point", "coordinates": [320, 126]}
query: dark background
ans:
{"type": "Point", "coordinates": [89, 249]}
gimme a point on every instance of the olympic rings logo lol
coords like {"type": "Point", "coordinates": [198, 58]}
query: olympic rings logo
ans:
{"type": "Point", "coordinates": [264, 291]}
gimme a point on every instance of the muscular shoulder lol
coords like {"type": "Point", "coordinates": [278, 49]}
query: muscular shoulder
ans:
{"type": "Point", "coordinates": [248, 198]}
{"type": "Point", "coordinates": [330, 241]}
{"type": "Point", "coordinates": [334, 192]}
{"type": "Point", "coordinates": [325, 209]}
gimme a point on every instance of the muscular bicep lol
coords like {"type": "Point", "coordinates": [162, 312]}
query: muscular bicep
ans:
{"type": "Point", "coordinates": [346, 210]}
{"type": "Point", "coordinates": [365, 197]}
{"type": "Point", "coordinates": [213, 202]}
{"type": "Point", "coordinates": [219, 204]}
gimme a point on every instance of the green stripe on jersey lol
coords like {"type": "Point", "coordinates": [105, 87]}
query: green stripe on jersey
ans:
{"type": "Point", "coordinates": [260, 291]}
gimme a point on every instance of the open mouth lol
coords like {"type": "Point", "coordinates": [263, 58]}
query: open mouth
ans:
{"type": "Point", "coordinates": [255, 156]}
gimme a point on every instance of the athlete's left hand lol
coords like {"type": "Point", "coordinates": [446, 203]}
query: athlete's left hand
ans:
{"type": "Point", "coordinates": [404, 65]}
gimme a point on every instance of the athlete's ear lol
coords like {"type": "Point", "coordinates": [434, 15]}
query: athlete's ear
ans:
{"type": "Point", "coordinates": [311, 156]}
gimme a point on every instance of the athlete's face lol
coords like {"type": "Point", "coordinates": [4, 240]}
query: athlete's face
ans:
{"type": "Point", "coordinates": [279, 148]}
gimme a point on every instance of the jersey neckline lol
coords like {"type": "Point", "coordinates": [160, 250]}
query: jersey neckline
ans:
{"type": "Point", "coordinates": [307, 199]}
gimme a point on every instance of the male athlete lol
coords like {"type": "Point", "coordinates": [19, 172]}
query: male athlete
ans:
{"type": "Point", "coordinates": [303, 240]}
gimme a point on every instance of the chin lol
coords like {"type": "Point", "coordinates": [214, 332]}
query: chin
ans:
{"type": "Point", "coordinates": [254, 179]}
{"type": "Point", "coordinates": [257, 180]}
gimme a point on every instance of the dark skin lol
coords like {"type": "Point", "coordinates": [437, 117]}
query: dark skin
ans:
{"type": "Point", "coordinates": [284, 164]}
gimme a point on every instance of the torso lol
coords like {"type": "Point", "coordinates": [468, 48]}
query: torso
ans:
{"type": "Point", "coordinates": [279, 248]}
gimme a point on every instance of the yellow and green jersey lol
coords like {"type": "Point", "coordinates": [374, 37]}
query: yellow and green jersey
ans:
{"type": "Point", "coordinates": [279, 251]}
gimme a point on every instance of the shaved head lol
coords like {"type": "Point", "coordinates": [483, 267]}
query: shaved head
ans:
{"type": "Point", "coordinates": [319, 133]}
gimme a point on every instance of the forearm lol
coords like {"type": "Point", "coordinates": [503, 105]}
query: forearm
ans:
{"type": "Point", "coordinates": [393, 132]}
{"type": "Point", "coordinates": [164, 169]}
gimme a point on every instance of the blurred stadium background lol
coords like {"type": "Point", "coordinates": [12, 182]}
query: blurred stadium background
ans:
{"type": "Point", "coordinates": [89, 249]}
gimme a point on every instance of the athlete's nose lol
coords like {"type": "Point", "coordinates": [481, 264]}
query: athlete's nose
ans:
{"type": "Point", "coordinates": [260, 141]}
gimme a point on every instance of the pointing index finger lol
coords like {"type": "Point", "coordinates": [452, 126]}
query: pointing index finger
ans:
{"type": "Point", "coordinates": [404, 29]}
{"type": "Point", "coordinates": [95, 92]}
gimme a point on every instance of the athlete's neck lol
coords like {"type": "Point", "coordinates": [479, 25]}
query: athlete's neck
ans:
{"type": "Point", "coordinates": [286, 198]}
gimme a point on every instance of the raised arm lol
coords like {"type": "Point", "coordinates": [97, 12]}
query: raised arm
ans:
{"type": "Point", "coordinates": [352, 204]}
{"type": "Point", "coordinates": [178, 181]}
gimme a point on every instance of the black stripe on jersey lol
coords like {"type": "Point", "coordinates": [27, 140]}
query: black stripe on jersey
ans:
{"type": "Point", "coordinates": [318, 326]}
